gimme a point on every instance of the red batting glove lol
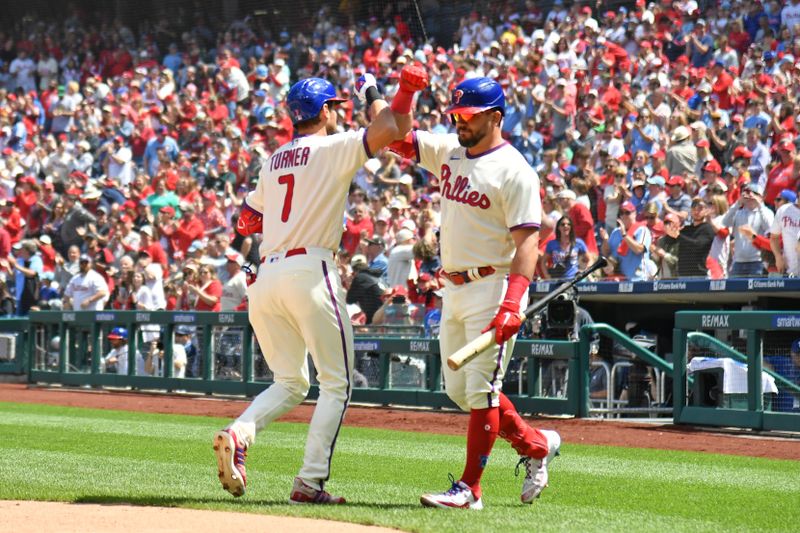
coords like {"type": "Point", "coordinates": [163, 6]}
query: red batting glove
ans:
{"type": "Point", "coordinates": [413, 78]}
{"type": "Point", "coordinates": [506, 323]}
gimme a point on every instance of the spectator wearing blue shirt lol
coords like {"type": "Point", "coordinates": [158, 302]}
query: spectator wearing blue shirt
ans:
{"type": "Point", "coordinates": [630, 245]}
{"type": "Point", "coordinates": [28, 270]}
{"type": "Point", "coordinates": [563, 255]}
{"type": "Point", "coordinates": [433, 317]}
{"type": "Point", "coordinates": [700, 46]}
{"type": "Point", "coordinates": [752, 21]}
{"type": "Point", "coordinates": [161, 140]}
{"type": "Point", "coordinates": [643, 134]}
{"type": "Point", "coordinates": [262, 109]}
{"type": "Point", "coordinates": [173, 59]}
{"type": "Point", "coordinates": [377, 259]}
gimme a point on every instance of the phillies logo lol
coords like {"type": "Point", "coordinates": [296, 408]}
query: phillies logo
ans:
{"type": "Point", "coordinates": [457, 94]}
{"type": "Point", "coordinates": [458, 190]}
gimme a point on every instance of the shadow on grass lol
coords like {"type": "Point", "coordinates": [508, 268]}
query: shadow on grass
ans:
{"type": "Point", "coordinates": [172, 501]}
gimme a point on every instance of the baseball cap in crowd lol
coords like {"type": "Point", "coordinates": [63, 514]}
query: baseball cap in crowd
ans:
{"type": "Point", "coordinates": [235, 257]}
{"type": "Point", "coordinates": [627, 207]}
{"type": "Point", "coordinates": [403, 236]}
{"type": "Point", "coordinates": [681, 133]}
{"type": "Point", "coordinates": [676, 180]}
{"type": "Point", "coordinates": [702, 143]}
{"type": "Point", "coordinates": [358, 261]}
{"type": "Point", "coordinates": [196, 245]}
{"type": "Point", "coordinates": [376, 240]}
{"type": "Point", "coordinates": [85, 258]}
{"type": "Point", "coordinates": [45, 239]}
{"type": "Point", "coordinates": [788, 195]}
{"type": "Point", "coordinates": [742, 151]}
{"type": "Point", "coordinates": [184, 330]}
{"type": "Point", "coordinates": [787, 146]}
{"type": "Point", "coordinates": [637, 183]}
{"type": "Point", "coordinates": [147, 230]}
{"type": "Point", "coordinates": [399, 290]}
{"type": "Point", "coordinates": [656, 180]}
{"type": "Point", "coordinates": [713, 166]}
{"type": "Point", "coordinates": [168, 210]}
{"type": "Point", "coordinates": [567, 194]}
{"type": "Point", "coordinates": [795, 346]}
{"type": "Point", "coordinates": [754, 188]}
{"type": "Point", "coordinates": [733, 171]}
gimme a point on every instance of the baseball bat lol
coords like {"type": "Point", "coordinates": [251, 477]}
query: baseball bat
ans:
{"type": "Point", "coordinates": [473, 348]}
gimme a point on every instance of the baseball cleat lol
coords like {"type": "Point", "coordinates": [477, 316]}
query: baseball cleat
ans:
{"type": "Point", "coordinates": [304, 493]}
{"type": "Point", "coordinates": [459, 496]}
{"type": "Point", "coordinates": [230, 462]}
{"type": "Point", "coordinates": [536, 469]}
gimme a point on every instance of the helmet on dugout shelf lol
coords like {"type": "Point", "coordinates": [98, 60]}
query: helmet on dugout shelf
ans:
{"type": "Point", "coordinates": [475, 95]}
{"type": "Point", "coordinates": [306, 98]}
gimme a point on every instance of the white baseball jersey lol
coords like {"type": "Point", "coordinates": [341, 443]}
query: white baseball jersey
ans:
{"type": "Point", "coordinates": [483, 198]}
{"type": "Point", "coordinates": [302, 189]}
{"type": "Point", "coordinates": [297, 303]}
{"type": "Point", "coordinates": [787, 224]}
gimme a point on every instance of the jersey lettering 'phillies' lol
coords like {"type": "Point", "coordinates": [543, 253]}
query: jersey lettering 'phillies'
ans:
{"type": "Point", "coordinates": [458, 190]}
{"type": "Point", "coordinates": [484, 196]}
{"type": "Point", "coordinates": [302, 190]}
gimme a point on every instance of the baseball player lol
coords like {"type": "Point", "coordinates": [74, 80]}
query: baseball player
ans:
{"type": "Point", "coordinates": [297, 303]}
{"type": "Point", "coordinates": [491, 212]}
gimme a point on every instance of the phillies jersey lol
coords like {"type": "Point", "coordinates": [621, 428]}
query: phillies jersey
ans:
{"type": "Point", "coordinates": [485, 196]}
{"type": "Point", "coordinates": [302, 189]}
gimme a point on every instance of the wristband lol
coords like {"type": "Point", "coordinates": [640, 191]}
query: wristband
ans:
{"type": "Point", "coordinates": [517, 285]}
{"type": "Point", "coordinates": [401, 103]}
{"type": "Point", "coordinates": [371, 95]}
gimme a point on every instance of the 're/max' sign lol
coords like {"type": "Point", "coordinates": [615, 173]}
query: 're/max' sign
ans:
{"type": "Point", "coordinates": [542, 349]}
{"type": "Point", "coordinates": [715, 321]}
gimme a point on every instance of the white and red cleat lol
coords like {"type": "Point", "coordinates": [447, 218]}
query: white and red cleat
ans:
{"type": "Point", "coordinates": [230, 462]}
{"type": "Point", "coordinates": [459, 496]}
{"type": "Point", "coordinates": [536, 469]}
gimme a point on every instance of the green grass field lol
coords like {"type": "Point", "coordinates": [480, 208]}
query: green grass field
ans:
{"type": "Point", "coordinates": [85, 455]}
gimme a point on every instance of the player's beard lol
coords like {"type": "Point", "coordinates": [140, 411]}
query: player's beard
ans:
{"type": "Point", "coordinates": [467, 138]}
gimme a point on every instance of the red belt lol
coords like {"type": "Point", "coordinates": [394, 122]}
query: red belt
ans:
{"type": "Point", "coordinates": [460, 278]}
{"type": "Point", "coordinates": [290, 253]}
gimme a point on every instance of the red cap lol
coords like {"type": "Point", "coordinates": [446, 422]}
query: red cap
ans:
{"type": "Point", "coordinates": [742, 151]}
{"type": "Point", "coordinates": [77, 174]}
{"type": "Point", "coordinates": [28, 179]}
{"type": "Point", "coordinates": [129, 204]}
{"type": "Point", "coordinates": [702, 143]}
{"type": "Point", "coordinates": [713, 166]}
{"type": "Point", "coordinates": [209, 195]}
{"type": "Point", "coordinates": [168, 210]}
{"type": "Point", "coordinates": [126, 219]}
{"type": "Point", "coordinates": [399, 290]}
{"type": "Point", "coordinates": [786, 146]}
{"type": "Point", "coordinates": [659, 155]}
{"type": "Point", "coordinates": [74, 191]}
{"type": "Point", "coordinates": [627, 206]}
{"type": "Point", "coordinates": [682, 60]}
{"type": "Point", "coordinates": [737, 118]}
{"type": "Point", "coordinates": [586, 10]}
{"type": "Point", "coordinates": [675, 180]}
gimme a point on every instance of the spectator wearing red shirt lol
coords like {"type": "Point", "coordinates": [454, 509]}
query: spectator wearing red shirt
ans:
{"type": "Point", "coordinates": [11, 219]}
{"type": "Point", "coordinates": [357, 228]}
{"type": "Point", "coordinates": [188, 229]}
{"type": "Point", "coordinates": [212, 218]}
{"type": "Point", "coordinates": [782, 175]}
{"type": "Point", "coordinates": [722, 84]}
{"type": "Point", "coordinates": [153, 247]}
{"type": "Point", "coordinates": [582, 220]}
{"type": "Point", "coordinates": [47, 252]}
{"type": "Point", "coordinates": [26, 196]}
{"type": "Point", "coordinates": [207, 291]}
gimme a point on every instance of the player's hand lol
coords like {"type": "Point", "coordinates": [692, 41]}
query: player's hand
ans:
{"type": "Point", "coordinates": [506, 324]}
{"type": "Point", "coordinates": [364, 82]}
{"type": "Point", "coordinates": [413, 78]}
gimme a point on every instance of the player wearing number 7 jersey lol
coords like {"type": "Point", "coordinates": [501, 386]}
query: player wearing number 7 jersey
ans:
{"type": "Point", "coordinates": [297, 303]}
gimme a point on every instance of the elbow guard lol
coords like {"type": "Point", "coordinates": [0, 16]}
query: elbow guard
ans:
{"type": "Point", "coordinates": [404, 147]}
{"type": "Point", "coordinates": [250, 221]}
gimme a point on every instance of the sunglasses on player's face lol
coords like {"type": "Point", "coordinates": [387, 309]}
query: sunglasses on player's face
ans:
{"type": "Point", "coordinates": [466, 117]}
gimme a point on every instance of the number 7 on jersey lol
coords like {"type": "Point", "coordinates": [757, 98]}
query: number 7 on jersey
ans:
{"type": "Point", "coordinates": [288, 180]}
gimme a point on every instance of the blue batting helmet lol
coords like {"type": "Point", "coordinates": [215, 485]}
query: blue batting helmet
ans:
{"type": "Point", "coordinates": [118, 333]}
{"type": "Point", "coordinates": [306, 98]}
{"type": "Point", "coordinates": [475, 95]}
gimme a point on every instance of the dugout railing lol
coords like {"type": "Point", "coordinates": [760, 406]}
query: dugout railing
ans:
{"type": "Point", "coordinates": [732, 386]}
{"type": "Point", "coordinates": [68, 348]}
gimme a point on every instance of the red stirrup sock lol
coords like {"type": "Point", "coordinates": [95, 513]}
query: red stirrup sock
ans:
{"type": "Point", "coordinates": [526, 440]}
{"type": "Point", "coordinates": [483, 427]}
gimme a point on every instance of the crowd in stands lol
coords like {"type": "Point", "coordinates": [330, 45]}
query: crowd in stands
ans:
{"type": "Point", "coordinates": [664, 135]}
